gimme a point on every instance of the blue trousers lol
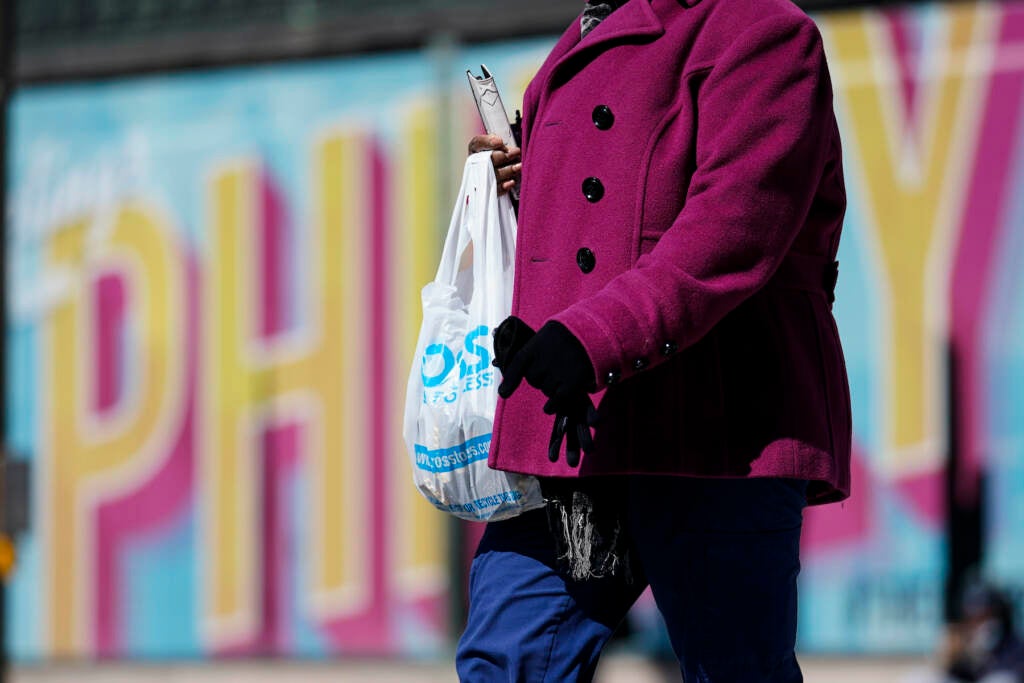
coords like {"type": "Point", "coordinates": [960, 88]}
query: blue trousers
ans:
{"type": "Point", "coordinates": [721, 557]}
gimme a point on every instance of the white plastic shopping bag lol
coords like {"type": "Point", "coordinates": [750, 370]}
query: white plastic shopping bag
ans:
{"type": "Point", "coordinates": [453, 388]}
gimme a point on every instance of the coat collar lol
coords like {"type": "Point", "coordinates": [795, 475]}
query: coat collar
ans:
{"type": "Point", "coordinates": [635, 19]}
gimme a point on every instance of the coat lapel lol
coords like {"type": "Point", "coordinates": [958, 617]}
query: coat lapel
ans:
{"type": "Point", "coordinates": [634, 20]}
{"type": "Point", "coordinates": [532, 96]}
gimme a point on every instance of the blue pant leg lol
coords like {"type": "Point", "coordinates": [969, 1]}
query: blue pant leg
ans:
{"type": "Point", "coordinates": [526, 621]}
{"type": "Point", "coordinates": [722, 557]}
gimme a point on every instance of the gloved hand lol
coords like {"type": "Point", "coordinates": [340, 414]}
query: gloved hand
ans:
{"type": "Point", "coordinates": [509, 337]}
{"type": "Point", "coordinates": [575, 430]}
{"type": "Point", "coordinates": [514, 336]}
{"type": "Point", "coordinates": [554, 361]}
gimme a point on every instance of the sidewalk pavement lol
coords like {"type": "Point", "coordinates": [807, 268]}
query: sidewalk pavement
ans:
{"type": "Point", "coordinates": [614, 669]}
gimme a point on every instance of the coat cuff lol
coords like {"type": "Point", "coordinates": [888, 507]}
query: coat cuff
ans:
{"type": "Point", "coordinates": [615, 359]}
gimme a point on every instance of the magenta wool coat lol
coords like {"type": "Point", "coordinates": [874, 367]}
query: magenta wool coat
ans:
{"type": "Point", "coordinates": [681, 203]}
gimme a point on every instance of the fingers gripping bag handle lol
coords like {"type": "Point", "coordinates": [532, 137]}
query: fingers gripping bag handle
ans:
{"type": "Point", "coordinates": [452, 390]}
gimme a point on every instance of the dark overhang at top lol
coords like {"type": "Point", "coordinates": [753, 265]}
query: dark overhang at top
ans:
{"type": "Point", "coordinates": [77, 39]}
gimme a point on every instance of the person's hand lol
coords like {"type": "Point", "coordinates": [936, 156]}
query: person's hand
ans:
{"type": "Point", "coordinates": [572, 423]}
{"type": "Point", "coordinates": [574, 428]}
{"type": "Point", "coordinates": [506, 160]}
{"type": "Point", "coordinates": [554, 361]}
{"type": "Point", "coordinates": [509, 338]}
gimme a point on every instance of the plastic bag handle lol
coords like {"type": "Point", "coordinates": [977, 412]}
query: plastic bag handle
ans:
{"type": "Point", "coordinates": [492, 216]}
{"type": "Point", "coordinates": [477, 201]}
{"type": "Point", "coordinates": [459, 234]}
{"type": "Point", "coordinates": [455, 244]}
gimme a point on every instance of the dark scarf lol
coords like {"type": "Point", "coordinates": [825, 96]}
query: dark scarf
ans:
{"type": "Point", "coordinates": [595, 12]}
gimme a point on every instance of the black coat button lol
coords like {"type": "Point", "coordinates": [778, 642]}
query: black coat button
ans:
{"type": "Point", "coordinates": [603, 117]}
{"type": "Point", "coordinates": [612, 377]}
{"type": "Point", "coordinates": [585, 260]}
{"type": "Point", "coordinates": [669, 348]}
{"type": "Point", "coordinates": [593, 190]}
{"type": "Point", "coordinates": [640, 364]}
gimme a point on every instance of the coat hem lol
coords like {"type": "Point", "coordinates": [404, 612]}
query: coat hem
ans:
{"type": "Point", "coordinates": [822, 490]}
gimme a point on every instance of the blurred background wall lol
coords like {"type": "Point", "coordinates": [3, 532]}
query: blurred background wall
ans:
{"type": "Point", "coordinates": [219, 217]}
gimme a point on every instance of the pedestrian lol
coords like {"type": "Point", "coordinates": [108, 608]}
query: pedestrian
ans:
{"type": "Point", "coordinates": [685, 395]}
{"type": "Point", "coordinates": [984, 647]}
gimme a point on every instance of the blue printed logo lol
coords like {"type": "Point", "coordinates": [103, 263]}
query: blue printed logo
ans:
{"type": "Point", "coordinates": [430, 356]}
{"type": "Point", "coordinates": [439, 361]}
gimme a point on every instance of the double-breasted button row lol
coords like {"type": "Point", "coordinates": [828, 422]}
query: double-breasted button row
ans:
{"type": "Point", "coordinates": [593, 188]}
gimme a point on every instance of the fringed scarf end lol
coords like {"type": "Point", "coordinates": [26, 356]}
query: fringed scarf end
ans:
{"type": "Point", "coordinates": [589, 534]}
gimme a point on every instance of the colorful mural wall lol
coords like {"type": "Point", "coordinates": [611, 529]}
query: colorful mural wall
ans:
{"type": "Point", "coordinates": [997, 438]}
{"type": "Point", "coordinates": [930, 100]}
{"type": "Point", "coordinates": [215, 299]}
{"type": "Point", "coordinates": [215, 294]}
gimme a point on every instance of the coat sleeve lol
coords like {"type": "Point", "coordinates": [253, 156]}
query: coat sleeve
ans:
{"type": "Point", "coordinates": [764, 128]}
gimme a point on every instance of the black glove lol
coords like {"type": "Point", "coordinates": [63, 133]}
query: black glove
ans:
{"type": "Point", "coordinates": [571, 424]}
{"type": "Point", "coordinates": [509, 337]}
{"type": "Point", "coordinates": [554, 361]}
{"type": "Point", "coordinates": [575, 430]}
